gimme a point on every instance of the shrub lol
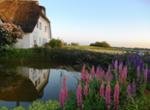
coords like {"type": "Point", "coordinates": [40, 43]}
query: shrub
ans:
{"type": "Point", "coordinates": [100, 44]}
{"type": "Point", "coordinates": [9, 33]}
{"type": "Point", "coordinates": [56, 43]}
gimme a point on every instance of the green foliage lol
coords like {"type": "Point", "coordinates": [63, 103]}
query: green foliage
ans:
{"type": "Point", "coordinates": [38, 105]}
{"type": "Point", "coordinates": [56, 43]}
{"type": "Point", "coordinates": [100, 44]}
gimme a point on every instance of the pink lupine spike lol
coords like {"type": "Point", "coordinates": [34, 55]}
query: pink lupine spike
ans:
{"type": "Point", "coordinates": [79, 96]}
{"type": "Point", "coordinates": [87, 76]}
{"type": "Point", "coordinates": [93, 72]}
{"type": "Point", "coordinates": [120, 67]}
{"type": "Point", "coordinates": [116, 95]}
{"type": "Point", "coordinates": [108, 76]}
{"type": "Point", "coordinates": [98, 73]}
{"type": "Point", "coordinates": [65, 88]}
{"type": "Point", "coordinates": [102, 90]}
{"type": "Point", "coordinates": [108, 95]}
{"type": "Point", "coordinates": [123, 75]}
{"type": "Point", "coordinates": [102, 74]}
{"type": "Point", "coordinates": [83, 73]}
{"type": "Point", "coordinates": [63, 96]}
{"type": "Point", "coordinates": [86, 89]}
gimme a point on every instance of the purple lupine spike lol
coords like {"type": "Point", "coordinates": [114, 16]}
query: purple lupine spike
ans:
{"type": "Point", "coordinates": [102, 90]}
{"type": "Point", "coordinates": [108, 96]}
{"type": "Point", "coordinates": [79, 96]}
{"type": "Point", "coordinates": [138, 72]}
{"type": "Point", "coordinates": [93, 72]}
{"type": "Point", "coordinates": [86, 89]}
{"type": "Point", "coordinates": [120, 67]}
{"type": "Point", "coordinates": [133, 85]}
{"type": "Point", "coordinates": [116, 95]}
{"type": "Point", "coordinates": [145, 74]}
{"type": "Point", "coordinates": [129, 90]}
{"type": "Point", "coordinates": [116, 65]}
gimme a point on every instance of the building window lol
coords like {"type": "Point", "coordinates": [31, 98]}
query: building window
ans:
{"type": "Point", "coordinates": [37, 25]}
{"type": "Point", "coordinates": [45, 28]}
{"type": "Point", "coordinates": [40, 25]}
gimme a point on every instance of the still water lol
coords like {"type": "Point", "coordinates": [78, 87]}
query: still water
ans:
{"type": "Point", "coordinates": [23, 85]}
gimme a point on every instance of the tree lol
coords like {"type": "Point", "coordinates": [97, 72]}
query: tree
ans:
{"type": "Point", "coordinates": [100, 44]}
{"type": "Point", "coordinates": [9, 33]}
{"type": "Point", "coordinates": [54, 43]}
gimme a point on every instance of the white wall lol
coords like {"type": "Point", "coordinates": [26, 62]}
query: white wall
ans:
{"type": "Point", "coordinates": [38, 36]}
{"type": "Point", "coordinates": [25, 42]}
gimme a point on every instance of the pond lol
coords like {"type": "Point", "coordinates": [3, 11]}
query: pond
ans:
{"type": "Point", "coordinates": [22, 85]}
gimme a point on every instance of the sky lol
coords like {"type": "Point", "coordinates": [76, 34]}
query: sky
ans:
{"type": "Point", "coordinates": [124, 23]}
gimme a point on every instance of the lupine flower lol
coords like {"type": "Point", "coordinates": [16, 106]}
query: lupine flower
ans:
{"type": "Point", "coordinates": [116, 65]}
{"type": "Point", "coordinates": [62, 97]}
{"type": "Point", "coordinates": [120, 67]}
{"type": "Point", "coordinates": [116, 95]}
{"type": "Point", "coordinates": [79, 95]}
{"type": "Point", "coordinates": [108, 76]}
{"type": "Point", "coordinates": [145, 74]}
{"type": "Point", "coordinates": [108, 95]}
{"type": "Point", "coordinates": [129, 90]}
{"type": "Point", "coordinates": [102, 90]}
{"type": "Point", "coordinates": [93, 71]}
{"type": "Point", "coordinates": [87, 77]}
{"type": "Point", "coordinates": [63, 93]}
{"type": "Point", "coordinates": [133, 88]}
{"type": "Point", "coordinates": [98, 72]}
{"type": "Point", "coordinates": [86, 89]}
{"type": "Point", "coordinates": [83, 74]}
{"type": "Point", "coordinates": [65, 88]}
{"type": "Point", "coordinates": [123, 75]}
{"type": "Point", "coordinates": [138, 73]}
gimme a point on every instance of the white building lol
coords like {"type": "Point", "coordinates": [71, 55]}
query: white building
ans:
{"type": "Point", "coordinates": [32, 19]}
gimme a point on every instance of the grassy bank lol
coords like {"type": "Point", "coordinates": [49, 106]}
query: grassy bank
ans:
{"type": "Point", "coordinates": [69, 56]}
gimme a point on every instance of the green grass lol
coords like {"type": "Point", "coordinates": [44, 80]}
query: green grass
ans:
{"type": "Point", "coordinates": [97, 49]}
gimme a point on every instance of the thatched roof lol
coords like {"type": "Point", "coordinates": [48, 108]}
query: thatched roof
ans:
{"type": "Point", "coordinates": [22, 13]}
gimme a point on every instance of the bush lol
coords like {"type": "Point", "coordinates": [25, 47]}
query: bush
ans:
{"type": "Point", "coordinates": [56, 43]}
{"type": "Point", "coordinates": [74, 44]}
{"type": "Point", "coordinates": [9, 33]}
{"type": "Point", "coordinates": [100, 44]}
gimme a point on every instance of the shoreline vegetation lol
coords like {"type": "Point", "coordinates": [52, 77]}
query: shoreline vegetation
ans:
{"type": "Point", "coordinates": [70, 55]}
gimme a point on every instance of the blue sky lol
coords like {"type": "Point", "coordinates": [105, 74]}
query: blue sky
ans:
{"type": "Point", "coordinates": [119, 22]}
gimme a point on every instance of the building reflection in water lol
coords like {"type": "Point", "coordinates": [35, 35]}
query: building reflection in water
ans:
{"type": "Point", "coordinates": [26, 85]}
{"type": "Point", "coordinates": [39, 77]}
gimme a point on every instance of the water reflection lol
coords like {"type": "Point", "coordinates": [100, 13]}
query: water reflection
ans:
{"type": "Point", "coordinates": [22, 85]}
